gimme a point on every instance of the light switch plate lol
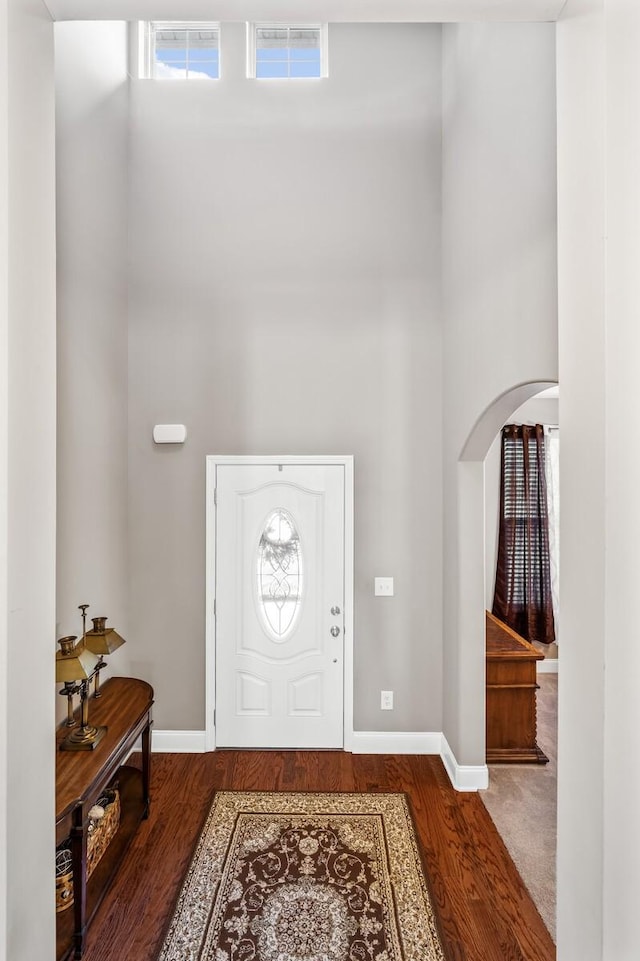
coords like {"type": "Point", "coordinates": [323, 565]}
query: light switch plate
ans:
{"type": "Point", "coordinates": [383, 587]}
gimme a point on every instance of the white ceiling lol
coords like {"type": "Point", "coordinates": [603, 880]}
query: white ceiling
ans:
{"type": "Point", "coordinates": [324, 11]}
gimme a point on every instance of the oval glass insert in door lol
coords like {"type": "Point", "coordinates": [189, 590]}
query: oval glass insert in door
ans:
{"type": "Point", "coordinates": [279, 571]}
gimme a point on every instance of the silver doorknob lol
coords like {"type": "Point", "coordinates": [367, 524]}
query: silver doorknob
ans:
{"type": "Point", "coordinates": [335, 630]}
{"type": "Point", "coordinates": [335, 611]}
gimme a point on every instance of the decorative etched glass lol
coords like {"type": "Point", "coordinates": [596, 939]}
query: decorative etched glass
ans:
{"type": "Point", "coordinates": [279, 574]}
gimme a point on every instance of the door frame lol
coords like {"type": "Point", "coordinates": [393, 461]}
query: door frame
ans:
{"type": "Point", "coordinates": [213, 461]}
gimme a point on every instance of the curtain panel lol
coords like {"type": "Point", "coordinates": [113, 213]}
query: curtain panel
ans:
{"type": "Point", "coordinates": [552, 472]}
{"type": "Point", "coordinates": [523, 597]}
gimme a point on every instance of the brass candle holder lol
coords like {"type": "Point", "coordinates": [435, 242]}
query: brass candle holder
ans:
{"type": "Point", "coordinates": [101, 640]}
{"type": "Point", "coordinates": [75, 667]}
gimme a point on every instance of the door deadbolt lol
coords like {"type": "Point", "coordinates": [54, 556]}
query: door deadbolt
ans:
{"type": "Point", "coordinates": [335, 630]}
{"type": "Point", "coordinates": [335, 610]}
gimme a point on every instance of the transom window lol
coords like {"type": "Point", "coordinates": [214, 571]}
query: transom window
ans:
{"type": "Point", "coordinates": [287, 51]}
{"type": "Point", "coordinates": [183, 50]}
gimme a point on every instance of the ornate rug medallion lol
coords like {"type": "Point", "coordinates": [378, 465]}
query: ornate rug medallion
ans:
{"type": "Point", "coordinates": [304, 877]}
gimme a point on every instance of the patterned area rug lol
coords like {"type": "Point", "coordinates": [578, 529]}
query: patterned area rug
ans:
{"type": "Point", "coordinates": [305, 877]}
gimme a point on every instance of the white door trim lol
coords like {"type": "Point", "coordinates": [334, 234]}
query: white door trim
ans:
{"type": "Point", "coordinates": [212, 463]}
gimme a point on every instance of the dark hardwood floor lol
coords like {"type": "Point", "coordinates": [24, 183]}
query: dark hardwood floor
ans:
{"type": "Point", "coordinates": [484, 910]}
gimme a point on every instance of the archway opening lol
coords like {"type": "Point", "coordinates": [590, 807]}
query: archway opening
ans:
{"type": "Point", "coordinates": [520, 793]}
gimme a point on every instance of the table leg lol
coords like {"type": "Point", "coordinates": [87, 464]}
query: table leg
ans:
{"type": "Point", "coordinates": [79, 863]}
{"type": "Point", "coordinates": [146, 768]}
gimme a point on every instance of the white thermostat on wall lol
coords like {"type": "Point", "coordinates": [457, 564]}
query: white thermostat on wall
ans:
{"type": "Point", "coordinates": [169, 433]}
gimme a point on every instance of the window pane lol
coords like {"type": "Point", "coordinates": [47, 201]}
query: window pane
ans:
{"type": "Point", "coordinates": [263, 55]}
{"type": "Point", "coordinates": [170, 38]}
{"type": "Point", "coordinates": [304, 38]}
{"type": "Point", "coordinates": [170, 71]}
{"type": "Point", "coordinates": [170, 54]}
{"type": "Point", "coordinates": [203, 38]}
{"type": "Point", "coordinates": [279, 574]}
{"type": "Point", "coordinates": [203, 71]}
{"type": "Point", "coordinates": [271, 37]}
{"type": "Point", "coordinates": [206, 54]}
{"type": "Point", "coordinates": [270, 70]}
{"type": "Point", "coordinates": [305, 53]}
{"type": "Point", "coordinates": [299, 68]}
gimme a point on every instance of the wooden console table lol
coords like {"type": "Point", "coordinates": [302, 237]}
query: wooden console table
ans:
{"type": "Point", "coordinates": [81, 776]}
{"type": "Point", "coordinates": [511, 696]}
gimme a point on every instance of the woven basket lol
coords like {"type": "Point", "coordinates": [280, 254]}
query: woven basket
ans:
{"type": "Point", "coordinates": [99, 833]}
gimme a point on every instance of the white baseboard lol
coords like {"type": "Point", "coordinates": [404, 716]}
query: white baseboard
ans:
{"type": "Point", "coordinates": [396, 742]}
{"type": "Point", "coordinates": [548, 666]}
{"type": "Point", "coordinates": [464, 777]}
{"type": "Point", "coordinates": [178, 742]}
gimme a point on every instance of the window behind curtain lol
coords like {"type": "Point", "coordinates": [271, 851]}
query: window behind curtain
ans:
{"type": "Point", "coordinates": [523, 582]}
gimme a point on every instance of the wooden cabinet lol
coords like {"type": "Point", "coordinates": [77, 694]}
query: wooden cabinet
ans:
{"type": "Point", "coordinates": [511, 696]}
{"type": "Point", "coordinates": [81, 776]}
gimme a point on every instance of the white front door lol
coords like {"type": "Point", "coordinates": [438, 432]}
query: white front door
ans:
{"type": "Point", "coordinates": [279, 602]}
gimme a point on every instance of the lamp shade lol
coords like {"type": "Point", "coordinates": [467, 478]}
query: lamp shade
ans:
{"type": "Point", "coordinates": [74, 663]}
{"type": "Point", "coordinates": [102, 639]}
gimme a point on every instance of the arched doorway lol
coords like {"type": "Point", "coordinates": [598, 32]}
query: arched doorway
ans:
{"type": "Point", "coordinates": [470, 581]}
{"type": "Point", "coordinates": [522, 794]}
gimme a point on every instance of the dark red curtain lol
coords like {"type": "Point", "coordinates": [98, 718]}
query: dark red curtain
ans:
{"type": "Point", "coordinates": [522, 596]}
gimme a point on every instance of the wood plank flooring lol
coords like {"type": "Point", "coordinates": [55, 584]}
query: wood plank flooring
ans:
{"type": "Point", "coordinates": [484, 910]}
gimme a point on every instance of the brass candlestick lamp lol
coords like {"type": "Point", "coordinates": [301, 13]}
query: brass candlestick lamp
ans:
{"type": "Point", "coordinates": [101, 640]}
{"type": "Point", "coordinates": [75, 666]}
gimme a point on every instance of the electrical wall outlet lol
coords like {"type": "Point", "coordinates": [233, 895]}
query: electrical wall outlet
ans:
{"type": "Point", "coordinates": [383, 587]}
{"type": "Point", "coordinates": [386, 700]}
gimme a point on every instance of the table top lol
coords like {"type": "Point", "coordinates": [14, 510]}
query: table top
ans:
{"type": "Point", "coordinates": [122, 706]}
{"type": "Point", "coordinates": [502, 642]}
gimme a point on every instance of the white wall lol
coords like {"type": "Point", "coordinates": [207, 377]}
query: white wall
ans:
{"type": "Point", "coordinates": [535, 411]}
{"type": "Point", "coordinates": [27, 481]}
{"type": "Point", "coordinates": [92, 193]}
{"type": "Point", "coordinates": [581, 172]}
{"type": "Point", "coordinates": [4, 456]}
{"type": "Point", "coordinates": [285, 297]}
{"type": "Point", "coordinates": [213, 290]}
{"type": "Point", "coordinates": [316, 11]}
{"type": "Point", "coordinates": [622, 654]}
{"type": "Point", "coordinates": [499, 296]}
{"type": "Point", "coordinates": [599, 711]}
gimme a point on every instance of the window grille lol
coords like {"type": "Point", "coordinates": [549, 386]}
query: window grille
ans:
{"type": "Point", "coordinates": [183, 51]}
{"type": "Point", "coordinates": [287, 51]}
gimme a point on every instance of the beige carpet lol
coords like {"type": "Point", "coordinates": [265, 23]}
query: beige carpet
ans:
{"type": "Point", "coordinates": [305, 877]}
{"type": "Point", "coordinates": [521, 800]}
